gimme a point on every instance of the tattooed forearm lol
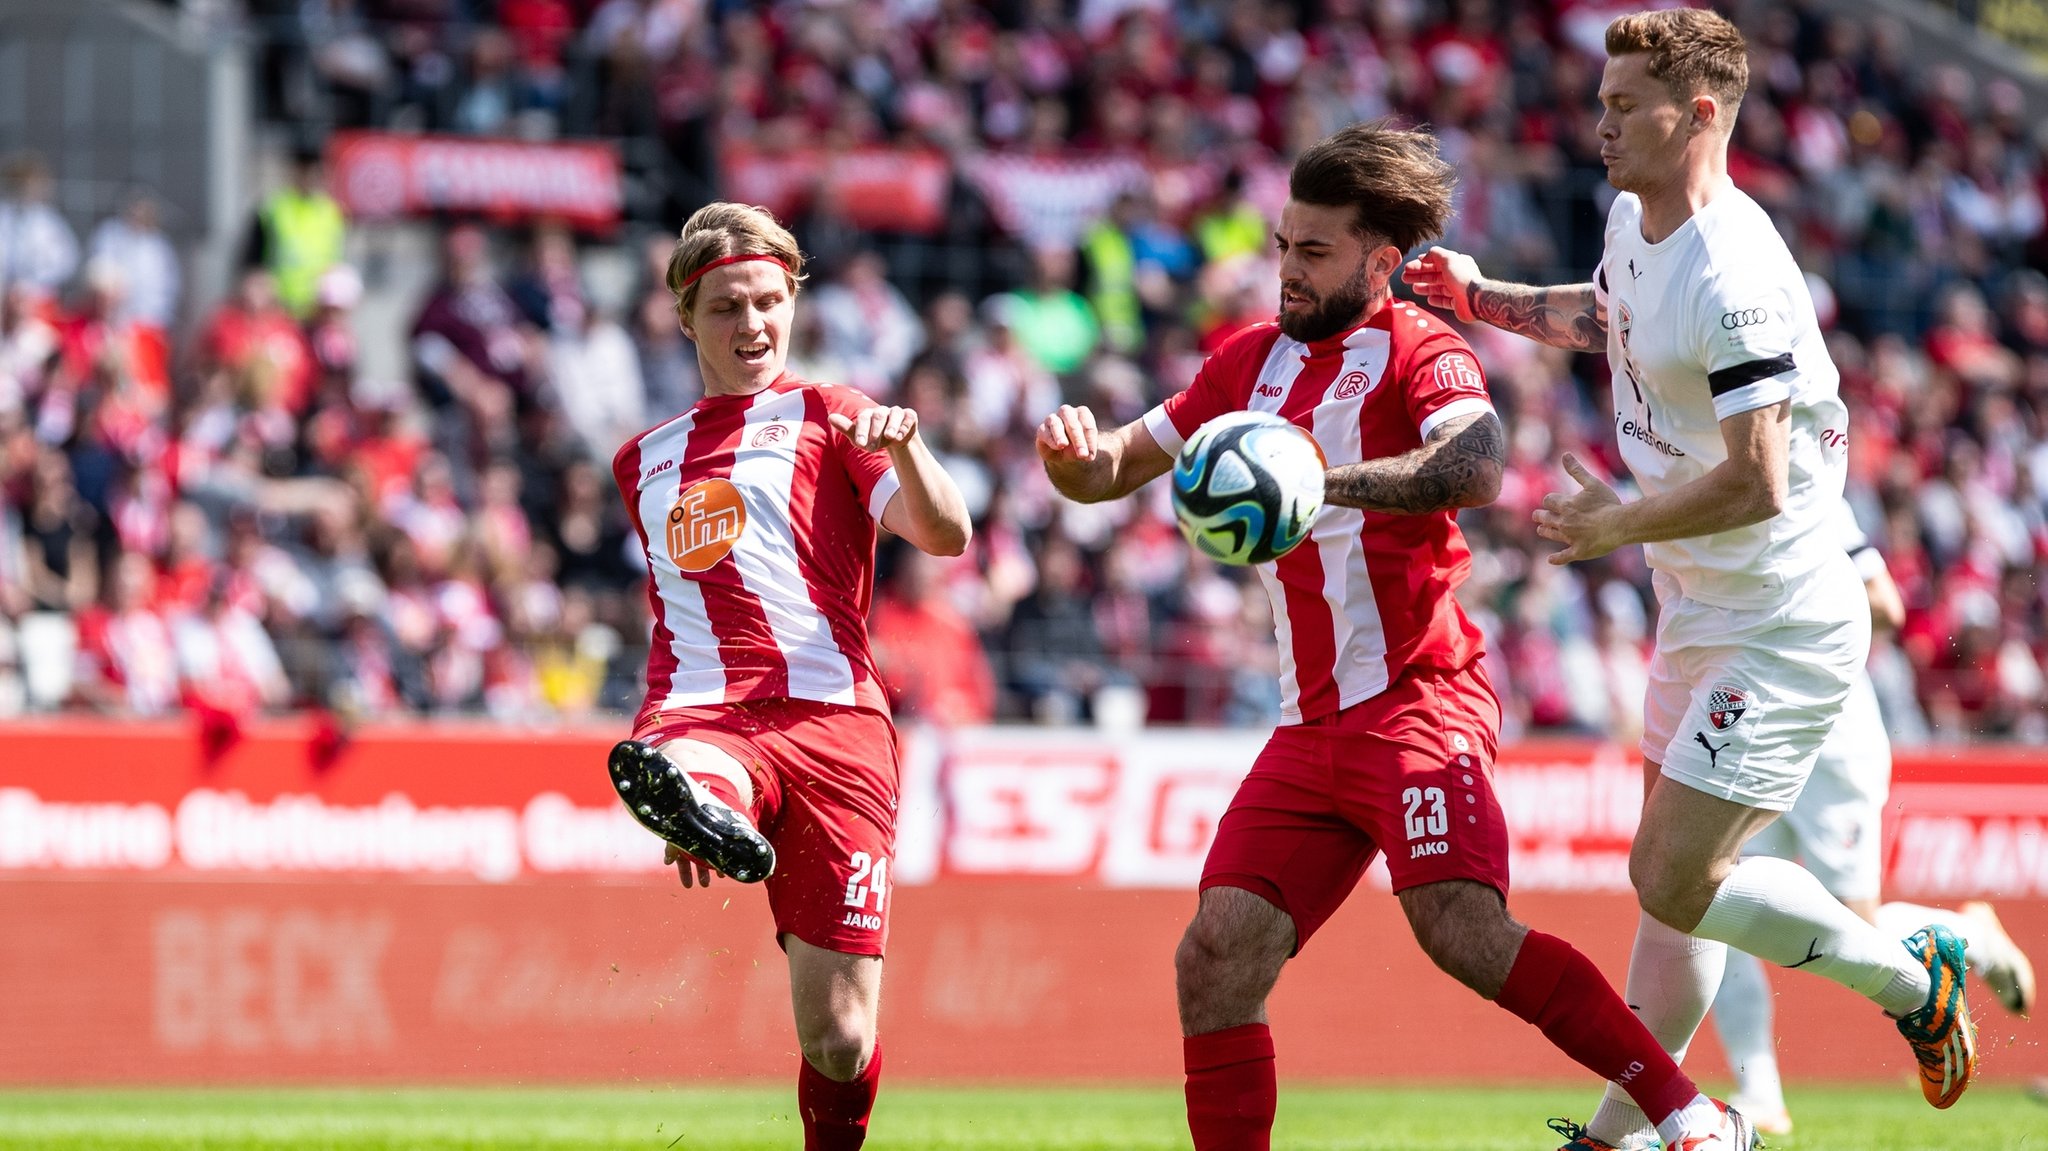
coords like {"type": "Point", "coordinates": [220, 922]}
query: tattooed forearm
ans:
{"type": "Point", "coordinates": [1458, 467]}
{"type": "Point", "coordinates": [1563, 317]}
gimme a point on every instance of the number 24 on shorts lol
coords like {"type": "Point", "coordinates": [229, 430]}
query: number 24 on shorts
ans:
{"type": "Point", "coordinates": [869, 875]}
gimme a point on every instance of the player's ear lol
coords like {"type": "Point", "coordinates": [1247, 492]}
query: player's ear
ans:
{"type": "Point", "coordinates": [1383, 263]}
{"type": "Point", "coordinates": [1706, 114]}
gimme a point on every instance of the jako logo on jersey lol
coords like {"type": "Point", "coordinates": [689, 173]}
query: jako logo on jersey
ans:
{"type": "Point", "coordinates": [658, 469]}
{"type": "Point", "coordinates": [773, 433]}
{"type": "Point", "coordinates": [1456, 371]}
{"type": "Point", "coordinates": [705, 523]}
{"type": "Point", "coordinates": [1271, 390]}
{"type": "Point", "coordinates": [1725, 704]}
{"type": "Point", "coordinates": [1352, 386]}
{"type": "Point", "coordinates": [1746, 318]}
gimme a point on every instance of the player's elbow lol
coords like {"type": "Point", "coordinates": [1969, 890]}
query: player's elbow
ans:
{"type": "Point", "coordinates": [1483, 485]}
{"type": "Point", "coordinates": [949, 537]}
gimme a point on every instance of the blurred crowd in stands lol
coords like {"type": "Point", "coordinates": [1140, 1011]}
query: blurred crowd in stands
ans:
{"type": "Point", "coordinates": [207, 505]}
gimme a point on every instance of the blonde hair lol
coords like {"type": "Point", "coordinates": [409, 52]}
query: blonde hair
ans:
{"type": "Point", "coordinates": [1691, 49]}
{"type": "Point", "coordinates": [718, 230]}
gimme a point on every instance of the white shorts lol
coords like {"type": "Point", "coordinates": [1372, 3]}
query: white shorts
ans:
{"type": "Point", "coordinates": [1741, 699]}
{"type": "Point", "coordinates": [1836, 827]}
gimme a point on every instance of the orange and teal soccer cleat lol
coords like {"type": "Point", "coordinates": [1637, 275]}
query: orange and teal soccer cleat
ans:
{"type": "Point", "coordinates": [1943, 1039]}
{"type": "Point", "coordinates": [667, 802]}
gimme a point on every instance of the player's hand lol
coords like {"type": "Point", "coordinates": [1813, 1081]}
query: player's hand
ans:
{"type": "Point", "coordinates": [1583, 521]}
{"type": "Point", "coordinates": [1443, 278]}
{"type": "Point", "coordinates": [878, 428]}
{"type": "Point", "coordinates": [693, 871]}
{"type": "Point", "coordinates": [1067, 434]}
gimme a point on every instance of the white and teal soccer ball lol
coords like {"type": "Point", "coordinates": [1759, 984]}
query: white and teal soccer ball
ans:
{"type": "Point", "coordinates": [1247, 486]}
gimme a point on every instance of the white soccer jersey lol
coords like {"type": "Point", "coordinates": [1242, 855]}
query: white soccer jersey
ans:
{"type": "Point", "coordinates": [1714, 321]}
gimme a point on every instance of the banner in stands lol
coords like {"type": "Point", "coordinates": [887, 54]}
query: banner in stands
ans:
{"type": "Point", "coordinates": [874, 189]}
{"type": "Point", "coordinates": [1134, 811]}
{"type": "Point", "coordinates": [375, 175]}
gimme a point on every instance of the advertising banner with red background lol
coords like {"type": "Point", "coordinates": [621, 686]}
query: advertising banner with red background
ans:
{"type": "Point", "coordinates": [377, 175]}
{"type": "Point", "coordinates": [471, 903]}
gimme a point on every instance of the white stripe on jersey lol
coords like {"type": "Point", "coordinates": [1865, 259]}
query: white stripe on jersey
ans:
{"type": "Point", "coordinates": [700, 674]}
{"type": "Point", "coordinates": [1347, 584]}
{"type": "Point", "coordinates": [766, 556]}
{"type": "Point", "coordinates": [1276, 378]}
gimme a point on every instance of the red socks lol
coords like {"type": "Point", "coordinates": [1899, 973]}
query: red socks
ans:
{"type": "Point", "coordinates": [836, 1114]}
{"type": "Point", "coordinates": [1232, 1092]}
{"type": "Point", "coordinates": [1560, 991]}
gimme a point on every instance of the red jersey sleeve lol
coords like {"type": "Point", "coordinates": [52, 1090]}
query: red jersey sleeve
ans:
{"type": "Point", "coordinates": [1222, 384]}
{"type": "Point", "coordinates": [873, 474]}
{"type": "Point", "coordinates": [1443, 380]}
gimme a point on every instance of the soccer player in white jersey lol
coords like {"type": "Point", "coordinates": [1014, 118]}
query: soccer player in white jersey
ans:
{"type": "Point", "coordinates": [1727, 412]}
{"type": "Point", "coordinates": [1388, 724]}
{"type": "Point", "coordinates": [764, 750]}
{"type": "Point", "coordinates": [1836, 831]}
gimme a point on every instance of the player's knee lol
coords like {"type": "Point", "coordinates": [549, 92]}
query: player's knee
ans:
{"type": "Point", "coordinates": [839, 1050]}
{"type": "Point", "coordinates": [1668, 894]}
{"type": "Point", "coordinates": [1469, 947]}
{"type": "Point", "coordinates": [1217, 955]}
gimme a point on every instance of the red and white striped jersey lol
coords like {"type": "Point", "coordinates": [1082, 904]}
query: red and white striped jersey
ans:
{"type": "Point", "coordinates": [1368, 593]}
{"type": "Point", "coordinates": [757, 520]}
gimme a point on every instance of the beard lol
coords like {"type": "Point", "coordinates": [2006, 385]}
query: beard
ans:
{"type": "Point", "coordinates": [1329, 315]}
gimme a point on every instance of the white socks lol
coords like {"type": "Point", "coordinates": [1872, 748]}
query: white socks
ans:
{"type": "Point", "coordinates": [1777, 911]}
{"type": "Point", "coordinates": [1742, 1017]}
{"type": "Point", "coordinates": [1672, 978]}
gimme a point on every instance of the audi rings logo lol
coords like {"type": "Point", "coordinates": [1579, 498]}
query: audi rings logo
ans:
{"type": "Point", "coordinates": [1747, 318]}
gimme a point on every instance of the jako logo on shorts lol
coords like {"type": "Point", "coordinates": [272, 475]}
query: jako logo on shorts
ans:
{"type": "Point", "coordinates": [1725, 704]}
{"type": "Point", "coordinates": [705, 523]}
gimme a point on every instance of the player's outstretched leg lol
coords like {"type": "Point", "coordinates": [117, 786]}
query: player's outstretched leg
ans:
{"type": "Point", "coordinates": [674, 805]}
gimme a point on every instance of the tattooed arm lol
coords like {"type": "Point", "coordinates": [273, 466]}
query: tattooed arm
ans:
{"type": "Point", "coordinates": [1459, 466]}
{"type": "Point", "coordinates": [1563, 317]}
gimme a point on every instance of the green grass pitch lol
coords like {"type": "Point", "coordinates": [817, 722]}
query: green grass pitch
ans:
{"type": "Point", "coordinates": [911, 1118]}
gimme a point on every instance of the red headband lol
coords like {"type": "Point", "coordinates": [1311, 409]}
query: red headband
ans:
{"type": "Point", "coordinates": [693, 277]}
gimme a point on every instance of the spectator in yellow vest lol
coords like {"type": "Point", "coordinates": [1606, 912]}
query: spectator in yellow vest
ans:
{"type": "Point", "coordinates": [298, 233]}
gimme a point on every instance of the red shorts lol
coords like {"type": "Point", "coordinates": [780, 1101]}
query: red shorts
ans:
{"type": "Point", "coordinates": [1409, 771]}
{"type": "Point", "coordinates": [825, 784]}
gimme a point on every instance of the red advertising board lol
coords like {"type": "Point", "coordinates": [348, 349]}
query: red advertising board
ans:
{"type": "Point", "coordinates": [376, 175]}
{"type": "Point", "coordinates": [470, 903]}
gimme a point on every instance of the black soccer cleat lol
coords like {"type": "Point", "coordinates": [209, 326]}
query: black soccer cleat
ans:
{"type": "Point", "coordinates": [667, 802]}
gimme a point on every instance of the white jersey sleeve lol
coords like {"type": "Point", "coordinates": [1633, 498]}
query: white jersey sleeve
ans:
{"type": "Point", "coordinates": [1745, 323]}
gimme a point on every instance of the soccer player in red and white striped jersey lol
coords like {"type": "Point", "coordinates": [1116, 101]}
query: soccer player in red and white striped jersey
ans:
{"type": "Point", "coordinates": [765, 749]}
{"type": "Point", "coordinates": [1388, 726]}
